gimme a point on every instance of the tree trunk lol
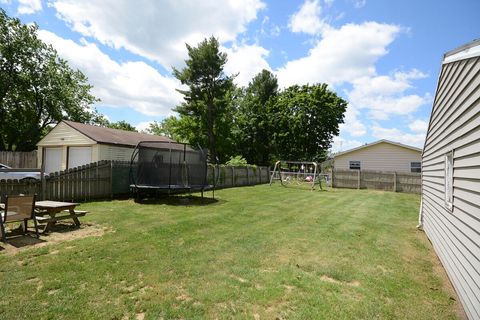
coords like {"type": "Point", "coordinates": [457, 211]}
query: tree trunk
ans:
{"type": "Point", "coordinates": [211, 134]}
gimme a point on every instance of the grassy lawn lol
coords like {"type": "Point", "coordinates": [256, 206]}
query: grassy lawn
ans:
{"type": "Point", "coordinates": [258, 253]}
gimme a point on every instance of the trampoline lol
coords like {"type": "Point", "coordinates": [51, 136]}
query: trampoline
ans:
{"type": "Point", "coordinates": [163, 167]}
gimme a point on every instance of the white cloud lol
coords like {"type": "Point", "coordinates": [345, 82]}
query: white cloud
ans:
{"type": "Point", "coordinates": [328, 2]}
{"type": "Point", "coordinates": [386, 95]}
{"type": "Point", "coordinates": [419, 126]}
{"type": "Point", "coordinates": [247, 61]}
{"type": "Point", "coordinates": [127, 84]}
{"type": "Point", "coordinates": [353, 125]}
{"type": "Point", "coordinates": [269, 29]}
{"type": "Point", "coordinates": [29, 6]}
{"type": "Point", "coordinates": [143, 126]}
{"type": "Point", "coordinates": [342, 55]}
{"type": "Point", "coordinates": [307, 19]}
{"type": "Point", "coordinates": [397, 135]}
{"type": "Point", "coordinates": [340, 144]}
{"type": "Point", "coordinates": [158, 30]}
{"type": "Point", "coordinates": [359, 3]}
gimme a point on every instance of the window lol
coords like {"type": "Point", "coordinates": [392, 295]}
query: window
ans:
{"type": "Point", "coordinates": [355, 165]}
{"type": "Point", "coordinates": [415, 167]}
{"type": "Point", "coordinates": [449, 180]}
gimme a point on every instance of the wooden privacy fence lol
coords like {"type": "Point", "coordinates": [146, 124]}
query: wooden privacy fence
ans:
{"type": "Point", "coordinates": [111, 179]}
{"type": "Point", "coordinates": [232, 176]}
{"type": "Point", "coordinates": [380, 180]}
{"type": "Point", "coordinates": [16, 159]}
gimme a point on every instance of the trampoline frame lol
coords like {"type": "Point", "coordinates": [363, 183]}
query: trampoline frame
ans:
{"type": "Point", "coordinates": [139, 189]}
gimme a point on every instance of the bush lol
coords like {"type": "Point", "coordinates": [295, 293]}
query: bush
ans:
{"type": "Point", "coordinates": [237, 161]}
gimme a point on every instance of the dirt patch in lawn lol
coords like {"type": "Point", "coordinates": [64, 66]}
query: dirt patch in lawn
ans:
{"type": "Point", "coordinates": [353, 283]}
{"type": "Point", "coordinates": [61, 233]}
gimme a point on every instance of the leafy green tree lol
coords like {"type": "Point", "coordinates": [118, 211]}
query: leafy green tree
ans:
{"type": "Point", "coordinates": [178, 129]}
{"type": "Point", "coordinates": [37, 88]}
{"type": "Point", "coordinates": [122, 125]}
{"type": "Point", "coordinates": [306, 118]}
{"type": "Point", "coordinates": [253, 119]}
{"type": "Point", "coordinates": [207, 97]}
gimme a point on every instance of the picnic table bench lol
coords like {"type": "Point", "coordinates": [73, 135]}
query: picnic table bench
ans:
{"type": "Point", "coordinates": [50, 212]}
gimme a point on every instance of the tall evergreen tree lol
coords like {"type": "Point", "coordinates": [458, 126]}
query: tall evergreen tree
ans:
{"type": "Point", "coordinates": [206, 99]}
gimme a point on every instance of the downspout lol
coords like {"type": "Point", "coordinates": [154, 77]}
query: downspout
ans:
{"type": "Point", "coordinates": [420, 216]}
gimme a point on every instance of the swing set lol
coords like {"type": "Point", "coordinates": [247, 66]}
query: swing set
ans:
{"type": "Point", "coordinates": [297, 173]}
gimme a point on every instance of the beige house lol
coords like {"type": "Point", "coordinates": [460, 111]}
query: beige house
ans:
{"type": "Point", "coordinates": [450, 211]}
{"type": "Point", "coordinates": [72, 144]}
{"type": "Point", "coordinates": [382, 155]}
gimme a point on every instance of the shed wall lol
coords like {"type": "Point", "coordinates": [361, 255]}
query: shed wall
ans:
{"type": "Point", "coordinates": [115, 153]}
{"type": "Point", "coordinates": [380, 157]}
{"type": "Point", "coordinates": [63, 134]}
{"type": "Point", "coordinates": [455, 126]}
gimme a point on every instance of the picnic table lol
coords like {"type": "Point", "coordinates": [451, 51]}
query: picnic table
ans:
{"type": "Point", "coordinates": [53, 209]}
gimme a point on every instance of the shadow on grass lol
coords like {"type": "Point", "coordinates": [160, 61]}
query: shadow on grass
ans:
{"type": "Point", "coordinates": [64, 227]}
{"type": "Point", "coordinates": [17, 239]}
{"type": "Point", "coordinates": [176, 200]}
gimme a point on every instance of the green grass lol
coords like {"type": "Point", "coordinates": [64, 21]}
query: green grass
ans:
{"type": "Point", "coordinates": [259, 252]}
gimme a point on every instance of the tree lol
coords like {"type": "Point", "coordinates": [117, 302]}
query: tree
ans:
{"type": "Point", "coordinates": [306, 119]}
{"type": "Point", "coordinates": [253, 119]}
{"type": "Point", "coordinates": [122, 125]}
{"type": "Point", "coordinates": [206, 99]}
{"type": "Point", "coordinates": [177, 129]}
{"type": "Point", "coordinates": [37, 88]}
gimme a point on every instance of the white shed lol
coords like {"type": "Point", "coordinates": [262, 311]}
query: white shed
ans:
{"type": "Point", "coordinates": [382, 155]}
{"type": "Point", "coordinates": [450, 212]}
{"type": "Point", "coordinates": [71, 144]}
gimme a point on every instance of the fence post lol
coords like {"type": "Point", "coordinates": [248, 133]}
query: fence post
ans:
{"type": "Point", "coordinates": [358, 180]}
{"type": "Point", "coordinates": [111, 179]}
{"type": "Point", "coordinates": [43, 184]}
{"type": "Point", "coordinates": [333, 178]}
{"type": "Point", "coordinates": [394, 181]}
{"type": "Point", "coordinates": [233, 176]}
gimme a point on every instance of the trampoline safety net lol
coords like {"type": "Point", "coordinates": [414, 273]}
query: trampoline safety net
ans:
{"type": "Point", "coordinates": [167, 166]}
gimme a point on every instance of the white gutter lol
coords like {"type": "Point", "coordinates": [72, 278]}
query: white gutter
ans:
{"type": "Point", "coordinates": [420, 216]}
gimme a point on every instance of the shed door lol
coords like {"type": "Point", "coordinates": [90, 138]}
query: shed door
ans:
{"type": "Point", "coordinates": [79, 156]}
{"type": "Point", "coordinates": [53, 159]}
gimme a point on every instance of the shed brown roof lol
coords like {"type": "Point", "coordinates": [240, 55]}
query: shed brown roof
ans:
{"type": "Point", "coordinates": [114, 136]}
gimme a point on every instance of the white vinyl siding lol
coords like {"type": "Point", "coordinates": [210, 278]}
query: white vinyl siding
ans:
{"type": "Point", "coordinates": [63, 135]}
{"type": "Point", "coordinates": [78, 156]}
{"type": "Point", "coordinates": [116, 153]}
{"type": "Point", "coordinates": [451, 181]}
{"type": "Point", "coordinates": [383, 156]}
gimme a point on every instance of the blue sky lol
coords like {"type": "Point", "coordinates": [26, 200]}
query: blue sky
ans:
{"type": "Point", "coordinates": [383, 57]}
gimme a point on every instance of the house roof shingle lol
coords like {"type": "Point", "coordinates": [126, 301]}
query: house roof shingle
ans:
{"type": "Point", "coordinates": [114, 136]}
{"type": "Point", "coordinates": [377, 142]}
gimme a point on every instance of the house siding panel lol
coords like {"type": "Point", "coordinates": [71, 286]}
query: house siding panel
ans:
{"type": "Point", "coordinates": [455, 125]}
{"type": "Point", "coordinates": [62, 135]}
{"type": "Point", "coordinates": [116, 153]}
{"type": "Point", "coordinates": [380, 157]}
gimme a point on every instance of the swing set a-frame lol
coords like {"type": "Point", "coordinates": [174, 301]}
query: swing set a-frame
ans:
{"type": "Point", "coordinates": [296, 173]}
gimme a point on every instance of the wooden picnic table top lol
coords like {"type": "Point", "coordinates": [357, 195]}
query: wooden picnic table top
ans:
{"type": "Point", "coordinates": [47, 204]}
